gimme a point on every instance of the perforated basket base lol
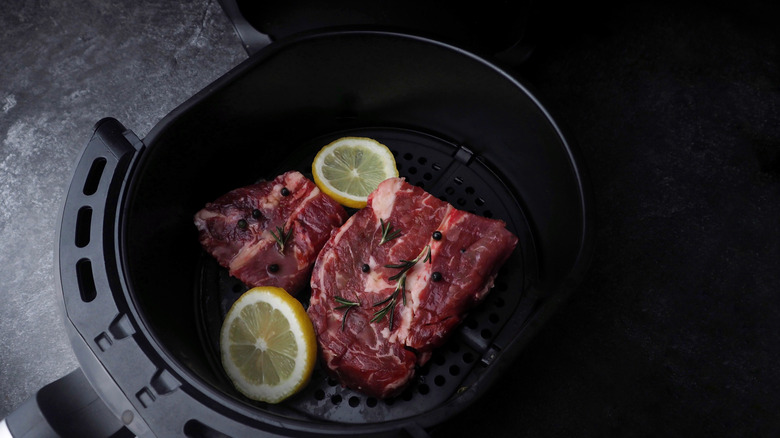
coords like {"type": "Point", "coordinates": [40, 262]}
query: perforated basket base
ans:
{"type": "Point", "coordinates": [453, 174]}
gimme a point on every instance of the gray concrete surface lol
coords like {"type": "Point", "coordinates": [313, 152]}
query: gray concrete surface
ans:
{"type": "Point", "coordinates": [63, 66]}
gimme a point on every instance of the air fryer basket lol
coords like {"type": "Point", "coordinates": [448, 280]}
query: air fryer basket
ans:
{"type": "Point", "coordinates": [453, 174]}
{"type": "Point", "coordinates": [146, 302]}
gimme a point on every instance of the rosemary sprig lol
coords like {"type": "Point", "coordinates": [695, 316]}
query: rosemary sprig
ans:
{"type": "Point", "coordinates": [282, 238]}
{"type": "Point", "coordinates": [388, 233]}
{"type": "Point", "coordinates": [400, 287]}
{"type": "Point", "coordinates": [389, 308]}
{"type": "Point", "coordinates": [345, 304]}
{"type": "Point", "coordinates": [406, 265]}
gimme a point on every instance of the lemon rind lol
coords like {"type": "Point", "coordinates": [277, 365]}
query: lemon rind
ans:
{"type": "Point", "coordinates": [303, 331]}
{"type": "Point", "coordinates": [347, 199]}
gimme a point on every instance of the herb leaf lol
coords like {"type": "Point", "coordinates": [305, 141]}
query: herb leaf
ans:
{"type": "Point", "coordinates": [346, 305]}
{"type": "Point", "coordinates": [400, 287]}
{"type": "Point", "coordinates": [389, 308]}
{"type": "Point", "coordinates": [282, 238]}
{"type": "Point", "coordinates": [388, 233]}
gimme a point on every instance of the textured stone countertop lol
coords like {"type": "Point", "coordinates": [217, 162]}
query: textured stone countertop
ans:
{"type": "Point", "coordinates": [675, 106]}
{"type": "Point", "coordinates": [64, 66]}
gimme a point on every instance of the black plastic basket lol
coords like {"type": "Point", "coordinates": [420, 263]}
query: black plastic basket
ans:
{"type": "Point", "coordinates": [144, 303]}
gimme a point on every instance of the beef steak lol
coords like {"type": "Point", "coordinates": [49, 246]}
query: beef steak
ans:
{"type": "Point", "coordinates": [244, 230]}
{"type": "Point", "coordinates": [380, 308]}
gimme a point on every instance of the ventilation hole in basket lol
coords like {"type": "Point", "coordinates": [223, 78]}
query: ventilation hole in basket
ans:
{"type": "Point", "coordinates": [93, 177]}
{"type": "Point", "coordinates": [408, 156]}
{"type": "Point", "coordinates": [354, 401]}
{"type": "Point", "coordinates": [332, 381]}
{"type": "Point", "coordinates": [335, 399]}
{"type": "Point", "coordinates": [461, 202]}
{"type": "Point", "coordinates": [468, 357]}
{"type": "Point", "coordinates": [319, 394]}
{"type": "Point", "coordinates": [470, 190]}
{"type": "Point", "coordinates": [486, 334]}
{"type": "Point", "coordinates": [86, 280]}
{"type": "Point", "coordinates": [371, 402]}
{"type": "Point", "coordinates": [420, 184]}
{"type": "Point", "coordinates": [423, 389]}
{"type": "Point", "coordinates": [449, 190]}
{"type": "Point", "coordinates": [389, 401]}
{"type": "Point", "coordinates": [427, 176]}
{"type": "Point", "coordinates": [487, 213]}
{"type": "Point", "coordinates": [494, 318]}
{"type": "Point", "coordinates": [439, 380]}
{"type": "Point", "coordinates": [439, 359]}
{"type": "Point", "coordinates": [454, 370]}
{"type": "Point", "coordinates": [424, 370]}
{"type": "Point", "coordinates": [192, 428]}
{"type": "Point", "coordinates": [412, 170]}
{"type": "Point", "coordinates": [83, 226]}
{"type": "Point", "coordinates": [422, 160]}
{"type": "Point", "coordinates": [499, 302]}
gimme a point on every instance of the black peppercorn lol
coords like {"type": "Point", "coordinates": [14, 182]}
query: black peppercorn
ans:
{"type": "Point", "coordinates": [366, 268]}
{"type": "Point", "coordinates": [436, 276]}
{"type": "Point", "coordinates": [256, 213]}
{"type": "Point", "coordinates": [436, 235]}
{"type": "Point", "coordinates": [285, 191]}
{"type": "Point", "coordinates": [242, 224]}
{"type": "Point", "coordinates": [273, 268]}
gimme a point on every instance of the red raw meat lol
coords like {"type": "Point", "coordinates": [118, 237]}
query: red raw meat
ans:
{"type": "Point", "coordinates": [238, 230]}
{"type": "Point", "coordinates": [378, 358]}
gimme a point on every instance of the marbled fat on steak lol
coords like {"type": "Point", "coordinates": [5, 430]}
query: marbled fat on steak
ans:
{"type": "Point", "coordinates": [378, 357]}
{"type": "Point", "coordinates": [244, 228]}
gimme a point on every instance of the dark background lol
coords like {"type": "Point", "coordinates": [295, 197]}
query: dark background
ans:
{"type": "Point", "coordinates": [674, 105]}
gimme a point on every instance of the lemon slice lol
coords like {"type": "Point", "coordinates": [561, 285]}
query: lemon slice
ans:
{"type": "Point", "coordinates": [350, 168]}
{"type": "Point", "coordinates": [268, 344]}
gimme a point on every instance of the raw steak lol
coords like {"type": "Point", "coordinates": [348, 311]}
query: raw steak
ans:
{"type": "Point", "coordinates": [466, 251]}
{"type": "Point", "coordinates": [241, 230]}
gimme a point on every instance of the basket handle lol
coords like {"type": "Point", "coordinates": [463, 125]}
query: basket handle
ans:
{"type": "Point", "coordinates": [87, 259]}
{"type": "Point", "coordinates": [67, 407]}
{"type": "Point", "coordinates": [252, 39]}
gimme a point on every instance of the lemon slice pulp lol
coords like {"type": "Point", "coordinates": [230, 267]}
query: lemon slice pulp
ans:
{"type": "Point", "coordinates": [350, 168]}
{"type": "Point", "coordinates": [268, 344]}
